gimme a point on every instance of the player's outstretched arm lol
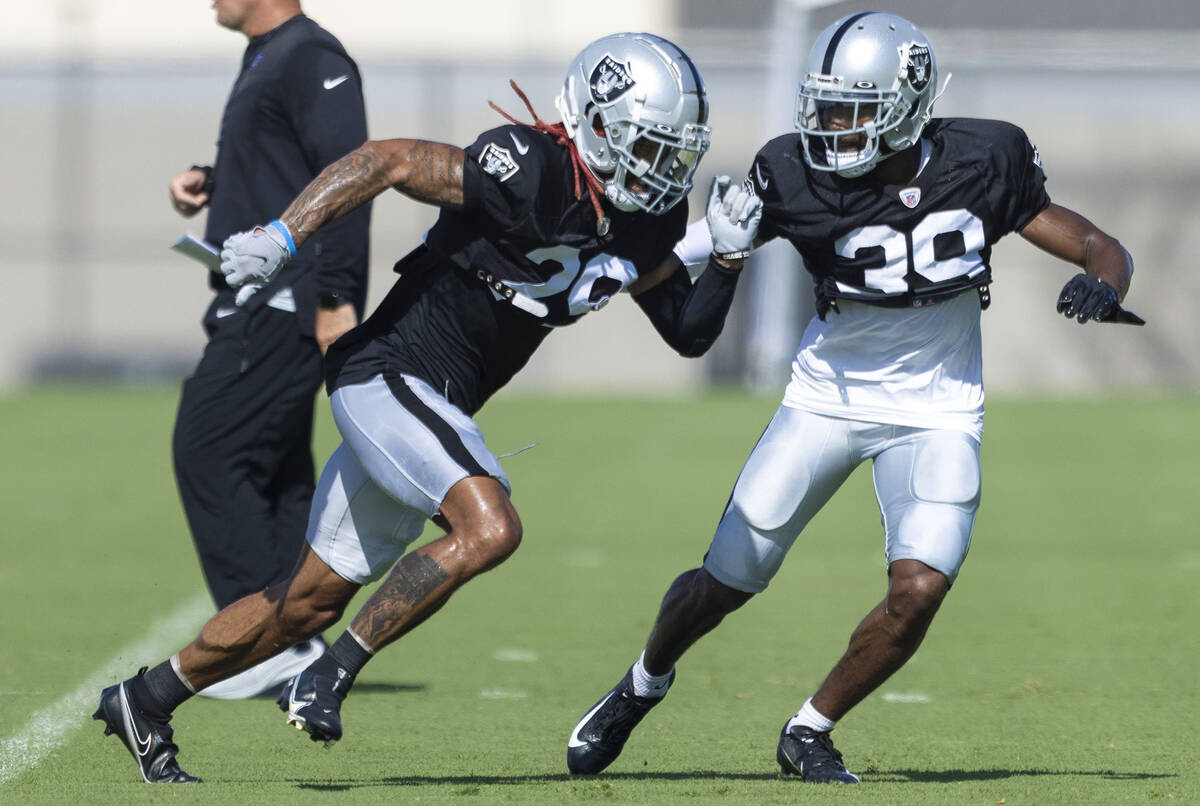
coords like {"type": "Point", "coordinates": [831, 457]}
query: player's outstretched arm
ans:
{"type": "Point", "coordinates": [428, 172]}
{"type": "Point", "coordinates": [689, 316]}
{"type": "Point", "coordinates": [1107, 266]}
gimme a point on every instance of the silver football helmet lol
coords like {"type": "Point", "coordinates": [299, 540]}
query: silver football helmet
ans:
{"type": "Point", "coordinates": [868, 91]}
{"type": "Point", "coordinates": [635, 107]}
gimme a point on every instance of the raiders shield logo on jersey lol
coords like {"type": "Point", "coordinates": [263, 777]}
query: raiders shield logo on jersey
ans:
{"type": "Point", "coordinates": [918, 66]}
{"type": "Point", "coordinates": [498, 162]}
{"type": "Point", "coordinates": [610, 80]}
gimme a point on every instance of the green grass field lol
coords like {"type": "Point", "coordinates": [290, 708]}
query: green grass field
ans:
{"type": "Point", "coordinates": [1064, 667]}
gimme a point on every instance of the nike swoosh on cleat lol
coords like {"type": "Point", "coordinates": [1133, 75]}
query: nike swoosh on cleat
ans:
{"type": "Point", "coordinates": [522, 149]}
{"type": "Point", "coordinates": [293, 703]}
{"type": "Point", "coordinates": [330, 83]}
{"type": "Point", "coordinates": [574, 740]}
{"type": "Point", "coordinates": [143, 745]}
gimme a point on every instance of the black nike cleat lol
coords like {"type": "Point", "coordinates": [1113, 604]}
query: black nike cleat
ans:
{"type": "Point", "coordinates": [601, 735]}
{"type": "Point", "coordinates": [149, 742]}
{"type": "Point", "coordinates": [811, 755]}
{"type": "Point", "coordinates": [313, 704]}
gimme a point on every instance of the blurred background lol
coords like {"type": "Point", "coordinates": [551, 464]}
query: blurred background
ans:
{"type": "Point", "coordinates": [103, 101]}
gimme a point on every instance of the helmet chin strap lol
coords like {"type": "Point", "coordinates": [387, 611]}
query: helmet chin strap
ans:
{"type": "Point", "coordinates": [620, 198]}
{"type": "Point", "coordinates": [855, 171]}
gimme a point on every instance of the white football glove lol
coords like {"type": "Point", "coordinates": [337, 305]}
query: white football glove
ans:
{"type": "Point", "coordinates": [734, 212]}
{"type": "Point", "coordinates": [249, 260]}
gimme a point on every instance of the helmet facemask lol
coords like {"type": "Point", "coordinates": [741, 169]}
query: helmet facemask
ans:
{"type": "Point", "coordinates": [845, 131]}
{"type": "Point", "coordinates": [654, 164]}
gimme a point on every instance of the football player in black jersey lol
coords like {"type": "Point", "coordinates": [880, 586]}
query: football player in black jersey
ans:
{"type": "Point", "coordinates": [894, 213]}
{"type": "Point", "coordinates": [540, 224]}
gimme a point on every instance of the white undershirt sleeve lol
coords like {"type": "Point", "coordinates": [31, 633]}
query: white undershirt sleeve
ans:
{"type": "Point", "coordinates": [696, 245]}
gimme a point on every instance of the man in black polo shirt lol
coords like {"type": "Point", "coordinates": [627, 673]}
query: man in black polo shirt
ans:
{"type": "Point", "coordinates": [242, 437]}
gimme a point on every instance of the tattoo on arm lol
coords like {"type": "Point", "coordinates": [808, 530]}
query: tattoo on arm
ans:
{"type": "Point", "coordinates": [410, 594]}
{"type": "Point", "coordinates": [344, 185]}
{"type": "Point", "coordinates": [432, 173]}
{"type": "Point", "coordinates": [428, 172]}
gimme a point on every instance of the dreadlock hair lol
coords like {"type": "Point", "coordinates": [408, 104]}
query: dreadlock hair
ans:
{"type": "Point", "coordinates": [559, 132]}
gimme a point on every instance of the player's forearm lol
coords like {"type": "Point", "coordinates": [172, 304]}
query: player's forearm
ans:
{"type": "Point", "coordinates": [689, 316]}
{"type": "Point", "coordinates": [342, 187]}
{"type": "Point", "coordinates": [428, 172]}
{"type": "Point", "coordinates": [1071, 237]}
{"type": "Point", "coordinates": [1107, 259]}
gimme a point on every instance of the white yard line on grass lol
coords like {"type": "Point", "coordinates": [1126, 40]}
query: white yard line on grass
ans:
{"type": "Point", "coordinates": [49, 728]}
{"type": "Point", "coordinates": [897, 696]}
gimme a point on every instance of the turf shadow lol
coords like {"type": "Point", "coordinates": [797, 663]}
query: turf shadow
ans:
{"type": "Point", "coordinates": [522, 780]}
{"type": "Point", "coordinates": [870, 776]}
{"type": "Point", "coordinates": [954, 776]}
{"type": "Point", "coordinates": [362, 686]}
{"type": "Point", "coordinates": [272, 694]}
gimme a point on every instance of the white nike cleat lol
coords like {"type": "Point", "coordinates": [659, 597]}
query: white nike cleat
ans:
{"type": "Point", "coordinates": [269, 674]}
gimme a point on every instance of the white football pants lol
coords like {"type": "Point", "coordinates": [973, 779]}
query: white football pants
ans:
{"type": "Point", "coordinates": [926, 483]}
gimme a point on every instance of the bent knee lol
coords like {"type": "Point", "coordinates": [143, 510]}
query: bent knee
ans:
{"type": "Point", "coordinates": [495, 539]}
{"type": "Point", "coordinates": [917, 595]}
{"type": "Point", "coordinates": [717, 593]}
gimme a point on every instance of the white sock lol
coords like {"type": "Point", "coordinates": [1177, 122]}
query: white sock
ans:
{"type": "Point", "coordinates": [646, 684]}
{"type": "Point", "coordinates": [810, 717]}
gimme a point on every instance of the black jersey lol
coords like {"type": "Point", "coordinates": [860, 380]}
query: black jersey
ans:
{"type": "Point", "coordinates": [523, 227]}
{"type": "Point", "coordinates": [295, 107]}
{"type": "Point", "coordinates": [904, 245]}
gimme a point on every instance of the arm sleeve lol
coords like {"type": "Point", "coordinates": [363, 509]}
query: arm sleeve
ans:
{"type": "Point", "coordinates": [689, 316]}
{"type": "Point", "coordinates": [325, 104]}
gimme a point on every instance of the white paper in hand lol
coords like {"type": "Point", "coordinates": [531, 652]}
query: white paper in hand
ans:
{"type": "Point", "coordinates": [198, 249]}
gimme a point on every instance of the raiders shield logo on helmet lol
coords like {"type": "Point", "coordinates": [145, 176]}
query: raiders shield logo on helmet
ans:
{"type": "Point", "coordinates": [610, 80]}
{"type": "Point", "coordinates": [918, 66]}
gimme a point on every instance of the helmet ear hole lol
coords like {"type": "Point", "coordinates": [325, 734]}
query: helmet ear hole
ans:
{"type": "Point", "coordinates": [597, 125]}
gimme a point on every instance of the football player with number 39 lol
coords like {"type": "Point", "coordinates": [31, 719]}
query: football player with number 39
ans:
{"type": "Point", "coordinates": [895, 214]}
{"type": "Point", "coordinates": [539, 225]}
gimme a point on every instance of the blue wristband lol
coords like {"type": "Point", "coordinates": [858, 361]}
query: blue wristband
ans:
{"type": "Point", "coordinates": [287, 236]}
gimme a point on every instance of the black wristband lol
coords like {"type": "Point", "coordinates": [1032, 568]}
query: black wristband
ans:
{"type": "Point", "coordinates": [740, 255]}
{"type": "Point", "coordinates": [208, 177]}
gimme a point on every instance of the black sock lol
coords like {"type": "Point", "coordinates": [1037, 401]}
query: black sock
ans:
{"type": "Point", "coordinates": [158, 691]}
{"type": "Point", "coordinates": [343, 660]}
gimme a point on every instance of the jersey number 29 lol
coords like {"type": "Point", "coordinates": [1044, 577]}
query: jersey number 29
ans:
{"type": "Point", "coordinates": [921, 243]}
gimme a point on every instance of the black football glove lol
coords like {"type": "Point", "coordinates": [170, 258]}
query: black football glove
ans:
{"type": "Point", "coordinates": [1087, 298]}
